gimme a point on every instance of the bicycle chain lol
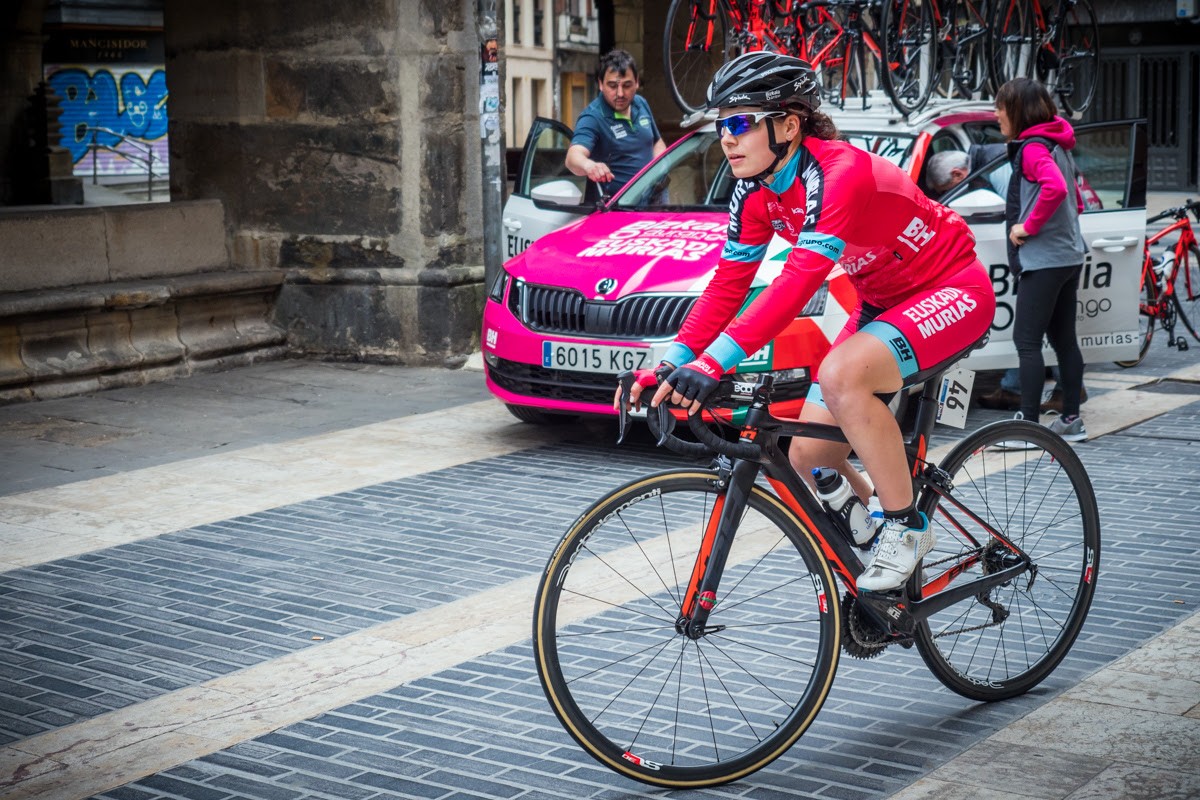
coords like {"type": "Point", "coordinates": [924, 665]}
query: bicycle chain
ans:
{"type": "Point", "coordinates": [869, 643]}
{"type": "Point", "coordinates": [982, 598]}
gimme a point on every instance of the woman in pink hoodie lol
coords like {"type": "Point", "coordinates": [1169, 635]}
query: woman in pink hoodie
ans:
{"type": "Point", "coordinates": [1045, 246]}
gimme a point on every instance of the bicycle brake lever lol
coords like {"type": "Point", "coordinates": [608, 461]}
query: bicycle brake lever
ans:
{"type": "Point", "coordinates": [625, 380]}
{"type": "Point", "coordinates": [666, 422]}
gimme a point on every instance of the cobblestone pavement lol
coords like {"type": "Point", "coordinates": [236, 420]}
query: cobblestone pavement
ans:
{"type": "Point", "coordinates": [302, 580]}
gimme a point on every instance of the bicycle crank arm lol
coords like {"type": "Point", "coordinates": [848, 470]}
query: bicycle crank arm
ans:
{"type": "Point", "coordinates": [921, 610]}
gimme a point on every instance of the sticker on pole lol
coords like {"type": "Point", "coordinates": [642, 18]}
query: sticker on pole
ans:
{"type": "Point", "coordinates": [955, 396]}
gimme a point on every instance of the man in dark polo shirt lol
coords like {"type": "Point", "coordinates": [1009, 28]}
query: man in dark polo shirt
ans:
{"type": "Point", "coordinates": [615, 136]}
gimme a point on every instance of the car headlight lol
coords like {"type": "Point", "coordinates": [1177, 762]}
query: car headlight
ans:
{"type": "Point", "coordinates": [496, 290]}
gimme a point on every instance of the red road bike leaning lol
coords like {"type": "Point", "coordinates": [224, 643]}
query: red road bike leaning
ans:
{"type": "Point", "coordinates": [1163, 302]}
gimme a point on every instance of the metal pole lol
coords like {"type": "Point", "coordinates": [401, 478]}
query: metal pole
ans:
{"type": "Point", "coordinates": [490, 137]}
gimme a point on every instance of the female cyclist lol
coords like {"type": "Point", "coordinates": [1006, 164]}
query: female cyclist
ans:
{"type": "Point", "coordinates": [923, 296]}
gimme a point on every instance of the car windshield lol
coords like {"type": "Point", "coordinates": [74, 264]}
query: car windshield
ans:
{"type": "Point", "coordinates": [694, 175]}
{"type": "Point", "coordinates": [895, 147]}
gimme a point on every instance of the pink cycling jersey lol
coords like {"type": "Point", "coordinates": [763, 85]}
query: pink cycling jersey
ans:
{"type": "Point", "coordinates": [839, 205]}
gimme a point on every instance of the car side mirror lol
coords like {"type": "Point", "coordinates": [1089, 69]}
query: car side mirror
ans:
{"type": "Point", "coordinates": [559, 196]}
{"type": "Point", "coordinates": [979, 202]}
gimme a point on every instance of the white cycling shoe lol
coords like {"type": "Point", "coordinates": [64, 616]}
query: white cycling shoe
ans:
{"type": "Point", "coordinates": [896, 554]}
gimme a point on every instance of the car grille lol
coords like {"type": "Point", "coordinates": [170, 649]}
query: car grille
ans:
{"type": "Point", "coordinates": [551, 309]}
{"type": "Point", "coordinates": [529, 380]}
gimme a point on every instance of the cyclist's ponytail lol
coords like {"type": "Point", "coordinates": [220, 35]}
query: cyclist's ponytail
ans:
{"type": "Point", "coordinates": [816, 125]}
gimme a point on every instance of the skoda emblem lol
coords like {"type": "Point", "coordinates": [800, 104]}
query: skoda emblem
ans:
{"type": "Point", "coordinates": [606, 285]}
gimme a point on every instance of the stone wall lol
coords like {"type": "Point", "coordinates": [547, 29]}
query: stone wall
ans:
{"type": "Point", "coordinates": [341, 138]}
{"type": "Point", "coordinates": [95, 298]}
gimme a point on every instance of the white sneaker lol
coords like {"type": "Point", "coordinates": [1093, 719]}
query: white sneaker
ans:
{"type": "Point", "coordinates": [1015, 444]}
{"type": "Point", "coordinates": [897, 552]}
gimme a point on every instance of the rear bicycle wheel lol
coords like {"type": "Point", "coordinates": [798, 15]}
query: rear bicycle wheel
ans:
{"type": "Point", "coordinates": [1010, 44]}
{"type": "Point", "coordinates": [1003, 642]}
{"type": "Point", "coordinates": [1071, 66]}
{"type": "Point", "coordinates": [1147, 303]}
{"type": "Point", "coordinates": [836, 72]}
{"type": "Point", "coordinates": [909, 54]}
{"type": "Point", "coordinates": [696, 42]}
{"type": "Point", "coordinates": [1187, 289]}
{"type": "Point", "coordinates": [1183, 317]}
{"type": "Point", "coordinates": [650, 702]}
{"type": "Point", "coordinates": [967, 75]}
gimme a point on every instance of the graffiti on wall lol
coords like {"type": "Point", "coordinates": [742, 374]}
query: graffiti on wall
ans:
{"type": "Point", "coordinates": [100, 106]}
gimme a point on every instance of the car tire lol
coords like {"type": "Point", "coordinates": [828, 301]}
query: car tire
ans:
{"type": "Point", "coordinates": [536, 416]}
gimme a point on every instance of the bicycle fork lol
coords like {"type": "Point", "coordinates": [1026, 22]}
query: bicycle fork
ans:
{"type": "Point", "coordinates": [701, 596]}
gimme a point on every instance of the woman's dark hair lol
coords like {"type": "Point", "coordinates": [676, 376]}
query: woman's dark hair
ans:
{"type": "Point", "coordinates": [619, 61]}
{"type": "Point", "coordinates": [1026, 102]}
{"type": "Point", "coordinates": [817, 125]}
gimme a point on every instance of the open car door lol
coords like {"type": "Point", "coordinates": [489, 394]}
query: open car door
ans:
{"type": "Point", "coordinates": [1111, 159]}
{"type": "Point", "coordinates": [545, 195]}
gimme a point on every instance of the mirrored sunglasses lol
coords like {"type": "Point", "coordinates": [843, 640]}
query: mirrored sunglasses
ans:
{"type": "Point", "coordinates": [738, 124]}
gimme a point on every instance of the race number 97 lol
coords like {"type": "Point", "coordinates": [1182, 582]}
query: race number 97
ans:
{"type": "Point", "coordinates": [954, 397]}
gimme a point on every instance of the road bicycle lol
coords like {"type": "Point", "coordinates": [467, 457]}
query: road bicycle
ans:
{"type": "Point", "coordinates": [687, 627]}
{"type": "Point", "coordinates": [1162, 302]}
{"type": "Point", "coordinates": [846, 49]}
{"type": "Point", "coordinates": [1061, 49]}
{"type": "Point", "coordinates": [933, 45]}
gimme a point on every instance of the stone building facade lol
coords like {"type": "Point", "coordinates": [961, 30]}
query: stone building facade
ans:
{"type": "Point", "coordinates": [340, 139]}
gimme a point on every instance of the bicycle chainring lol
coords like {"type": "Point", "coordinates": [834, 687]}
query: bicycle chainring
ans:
{"type": "Point", "coordinates": [861, 637]}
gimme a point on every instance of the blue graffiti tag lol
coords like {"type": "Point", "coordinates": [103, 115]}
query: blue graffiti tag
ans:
{"type": "Point", "coordinates": [138, 109]}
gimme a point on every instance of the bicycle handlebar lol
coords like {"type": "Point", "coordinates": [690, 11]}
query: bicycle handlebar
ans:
{"type": "Point", "coordinates": [1179, 212]}
{"type": "Point", "coordinates": [662, 424]}
{"type": "Point", "coordinates": [747, 451]}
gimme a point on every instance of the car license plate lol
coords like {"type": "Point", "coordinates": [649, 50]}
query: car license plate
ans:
{"type": "Point", "coordinates": [593, 357]}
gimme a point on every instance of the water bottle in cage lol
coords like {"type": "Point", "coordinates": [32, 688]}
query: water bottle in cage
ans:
{"type": "Point", "coordinates": [853, 518]}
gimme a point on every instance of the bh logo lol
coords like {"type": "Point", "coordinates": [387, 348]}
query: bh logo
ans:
{"type": "Point", "coordinates": [606, 285]}
{"type": "Point", "coordinates": [916, 235]}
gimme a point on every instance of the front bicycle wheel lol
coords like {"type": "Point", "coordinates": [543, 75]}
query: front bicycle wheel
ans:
{"type": "Point", "coordinates": [650, 702]}
{"type": "Point", "coordinates": [908, 45]}
{"type": "Point", "coordinates": [1070, 68]}
{"type": "Point", "coordinates": [1022, 481]}
{"type": "Point", "coordinates": [1010, 44]}
{"type": "Point", "coordinates": [1147, 304]}
{"type": "Point", "coordinates": [696, 42]}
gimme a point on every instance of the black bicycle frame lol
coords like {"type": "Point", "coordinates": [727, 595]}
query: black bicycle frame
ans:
{"type": "Point", "coordinates": [899, 613]}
